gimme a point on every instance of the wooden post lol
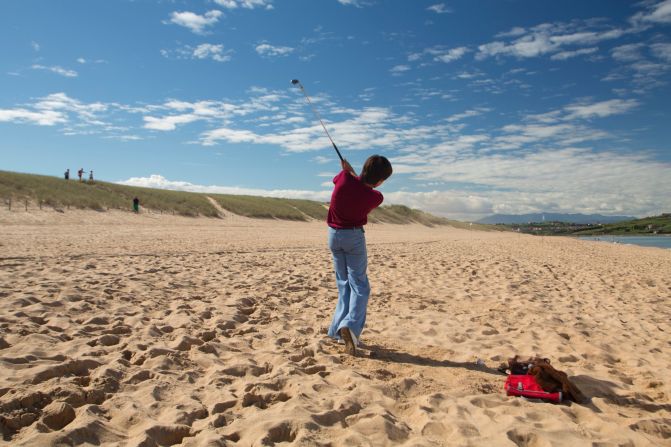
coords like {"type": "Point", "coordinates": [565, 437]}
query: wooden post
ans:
{"type": "Point", "coordinates": [26, 204]}
{"type": "Point", "coordinates": [10, 204]}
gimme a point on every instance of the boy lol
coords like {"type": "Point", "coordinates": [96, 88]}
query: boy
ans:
{"type": "Point", "coordinates": [352, 199]}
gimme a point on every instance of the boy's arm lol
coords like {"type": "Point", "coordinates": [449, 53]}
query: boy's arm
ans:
{"type": "Point", "coordinates": [348, 167]}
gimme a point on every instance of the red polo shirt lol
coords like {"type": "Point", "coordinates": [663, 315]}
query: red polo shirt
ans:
{"type": "Point", "coordinates": [351, 202]}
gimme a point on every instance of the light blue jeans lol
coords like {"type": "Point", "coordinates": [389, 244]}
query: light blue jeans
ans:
{"type": "Point", "coordinates": [350, 261]}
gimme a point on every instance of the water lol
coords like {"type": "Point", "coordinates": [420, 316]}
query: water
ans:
{"type": "Point", "coordinates": [646, 241]}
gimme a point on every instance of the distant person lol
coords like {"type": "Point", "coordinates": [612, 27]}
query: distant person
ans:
{"type": "Point", "coordinates": [91, 176]}
{"type": "Point", "coordinates": [80, 173]}
{"type": "Point", "coordinates": [352, 199]}
{"type": "Point", "coordinates": [67, 174]}
{"type": "Point", "coordinates": [136, 205]}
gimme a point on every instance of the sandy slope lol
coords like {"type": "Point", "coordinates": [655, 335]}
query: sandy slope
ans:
{"type": "Point", "coordinates": [118, 329]}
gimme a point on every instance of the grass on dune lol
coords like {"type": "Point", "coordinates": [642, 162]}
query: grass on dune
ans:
{"type": "Point", "coordinates": [59, 193]}
{"type": "Point", "coordinates": [272, 208]}
{"type": "Point", "coordinates": [100, 196]}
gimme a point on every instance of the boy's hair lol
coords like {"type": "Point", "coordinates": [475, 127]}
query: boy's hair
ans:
{"type": "Point", "coordinates": [376, 168]}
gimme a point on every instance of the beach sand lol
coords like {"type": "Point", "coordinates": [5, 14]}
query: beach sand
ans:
{"type": "Point", "coordinates": [145, 330]}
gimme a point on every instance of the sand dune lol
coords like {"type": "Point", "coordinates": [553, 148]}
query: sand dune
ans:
{"type": "Point", "coordinates": [148, 330]}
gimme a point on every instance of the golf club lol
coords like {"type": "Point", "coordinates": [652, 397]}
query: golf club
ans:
{"type": "Point", "coordinates": [298, 83]}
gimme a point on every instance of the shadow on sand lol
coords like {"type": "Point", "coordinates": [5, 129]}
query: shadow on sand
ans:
{"type": "Point", "coordinates": [382, 353]}
{"type": "Point", "coordinates": [591, 387]}
{"type": "Point", "coordinates": [607, 391]}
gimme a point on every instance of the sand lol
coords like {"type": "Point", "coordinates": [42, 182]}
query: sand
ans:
{"type": "Point", "coordinates": [117, 329]}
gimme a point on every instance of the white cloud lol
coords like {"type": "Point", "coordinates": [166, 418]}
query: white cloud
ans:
{"type": "Point", "coordinates": [364, 129]}
{"type": "Point", "coordinates": [455, 204]}
{"type": "Point", "coordinates": [548, 180]}
{"type": "Point", "coordinates": [529, 46]}
{"type": "Point", "coordinates": [627, 53]}
{"type": "Point", "coordinates": [169, 122]}
{"type": "Point", "coordinates": [467, 75]}
{"type": "Point", "coordinates": [467, 114]}
{"type": "Point", "coordinates": [414, 57]}
{"type": "Point", "coordinates": [228, 4]}
{"type": "Point", "coordinates": [211, 51]}
{"type": "Point", "coordinates": [600, 109]}
{"type": "Point", "coordinates": [398, 69]}
{"type": "Point", "coordinates": [563, 55]}
{"type": "Point", "coordinates": [84, 61]}
{"type": "Point", "coordinates": [42, 118]}
{"type": "Point", "coordinates": [440, 54]}
{"type": "Point", "coordinates": [35, 45]}
{"type": "Point", "coordinates": [644, 73]}
{"type": "Point", "coordinates": [322, 160]}
{"type": "Point", "coordinates": [251, 4]}
{"type": "Point", "coordinates": [74, 117]}
{"type": "Point", "coordinates": [294, 119]}
{"type": "Point", "coordinates": [451, 55]}
{"type": "Point", "coordinates": [514, 32]}
{"type": "Point", "coordinates": [356, 3]}
{"type": "Point", "coordinates": [58, 70]}
{"type": "Point", "coordinates": [268, 50]}
{"type": "Point", "coordinates": [655, 13]}
{"type": "Point", "coordinates": [439, 8]}
{"type": "Point", "coordinates": [216, 52]}
{"type": "Point", "coordinates": [586, 37]}
{"type": "Point", "coordinates": [248, 4]}
{"type": "Point", "coordinates": [662, 51]}
{"type": "Point", "coordinates": [544, 39]}
{"type": "Point", "coordinates": [193, 111]}
{"type": "Point", "coordinates": [195, 22]}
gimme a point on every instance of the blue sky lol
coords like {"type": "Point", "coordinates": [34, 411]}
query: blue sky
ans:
{"type": "Point", "coordinates": [498, 106]}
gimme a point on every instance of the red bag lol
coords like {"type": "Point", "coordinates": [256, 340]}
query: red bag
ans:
{"type": "Point", "coordinates": [526, 385]}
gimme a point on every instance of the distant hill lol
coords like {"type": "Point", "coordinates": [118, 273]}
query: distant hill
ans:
{"type": "Point", "coordinates": [645, 226]}
{"type": "Point", "coordinates": [45, 191]}
{"type": "Point", "coordinates": [552, 217]}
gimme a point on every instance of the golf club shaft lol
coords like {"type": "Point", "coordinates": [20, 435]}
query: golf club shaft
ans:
{"type": "Point", "coordinates": [314, 110]}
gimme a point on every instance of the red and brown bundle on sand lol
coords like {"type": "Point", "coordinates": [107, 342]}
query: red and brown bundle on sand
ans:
{"type": "Point", "coordinates": [536, 378]}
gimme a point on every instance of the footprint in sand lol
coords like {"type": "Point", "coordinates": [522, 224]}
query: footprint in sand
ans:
{"type": "Point", "coordinates": [333, 417]}
{"type": "Point", "coordinates": [263, 401]}
{"type": "Point", "coordinates": [57, 415]}
{"type": "Point", "coordinates": [165, 435]}
{"type": "Point", "coordinates": [523, 438]}
{"type": "Point", "coordinates": [282, 432]}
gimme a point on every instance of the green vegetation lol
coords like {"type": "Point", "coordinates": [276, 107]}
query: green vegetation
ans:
{"type": "Point", "coordinates": [58, 193]}
{"type": "Point", "coordinates": [400, 214]}
{"type": "Point", "coordinates": [547, 228]}
{"type": "Point", "coordinates": [271, 208]}
{"type": "Point", "coordinates": [645, 226]}
{"type": "Point", "coordinates": [100, 196]}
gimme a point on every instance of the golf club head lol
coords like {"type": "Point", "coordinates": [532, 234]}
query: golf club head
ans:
{"type": "Point", "coordinates": [295, 81]}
